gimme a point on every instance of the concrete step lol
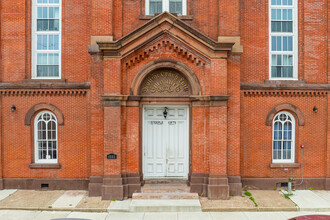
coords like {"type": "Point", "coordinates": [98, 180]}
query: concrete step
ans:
{"type": "Point", "coordinates": [165, 205]}
{"type": "Point", "coordinates": [158, 188]}
{"type": "Point", "coordinates": [165, 196]}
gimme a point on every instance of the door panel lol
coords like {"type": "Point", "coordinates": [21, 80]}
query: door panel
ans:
{"type": "Point", "coordinates": [165, 141]}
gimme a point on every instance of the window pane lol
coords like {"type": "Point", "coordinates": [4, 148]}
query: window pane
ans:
{"type": "Point", "coordinates": [39, 12]}
{"type": "Point", "coordinates": [155, 7]}
{"type": "Point", "coordinates": [290, 43]}
{"type": "Point", "coordinates": [273, 60]}
{"type": "Point", "coordinates": [278, 43]}
{"type": "Point", "coordinates": [273, 43]}
{"type": "Point", "coordinates": [273, 14]}
{"type": "Point", "coordinates": [290, 14]}
{"type": "Point", "coordinates": [285, 43]}
{"type": "Point", "coordinates": [51, 12]}
{"type": "Point", "coordinates": [176, 6]}
{"type": "Point", "coordinates": [279, 60]}
{"type": "Point", "coordinates": [279, 14]}
{"type": "Point", "coordinates": [56, 42]}
{"type": "Point", "coordinates": [44, 12]}
{"type": "Point", "coordinates": [56, 12]}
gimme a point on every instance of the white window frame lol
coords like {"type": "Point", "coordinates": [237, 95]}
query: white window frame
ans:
{"type": "Point", "coordinates": [166, 6]}
{"type": "Point", "coordinates": [293, 139]}
{"type": "Point", "coordinates": [294, 35]}
{"type": "Point", "coordinates": [34, 33]}
{"type": "Point", "coordinates": [36, 157]}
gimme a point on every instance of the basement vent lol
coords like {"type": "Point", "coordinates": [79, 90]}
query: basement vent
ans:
{"type": "Point", "coordinates": [44, 185]}
{"type": "Point", "coordinates": [284, 184]}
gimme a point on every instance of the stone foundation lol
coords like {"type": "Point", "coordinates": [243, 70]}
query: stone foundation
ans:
{"type": "Point", "coordinates": [120, 187]}
{"type": "Point", "coordinates": [215, 187]}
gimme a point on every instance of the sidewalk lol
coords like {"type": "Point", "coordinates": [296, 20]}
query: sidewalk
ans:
{"type": "Point", "coordinates": [78, 201]}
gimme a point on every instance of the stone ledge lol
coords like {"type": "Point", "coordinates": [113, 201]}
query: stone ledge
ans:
{"type": "Point", "coordinates": [284, 85]}
{"type": "Point", "coordinates": [182, 17]}
{"type": "Point", "coordinates": [284, 165]}
{"type": "Point", "coordinates": [45, 84]}
{"type": "Point", "coordinates": [45, 166]}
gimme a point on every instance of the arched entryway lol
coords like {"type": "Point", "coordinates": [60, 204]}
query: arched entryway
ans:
{"type": "Point", "coordinates": [165, 89]}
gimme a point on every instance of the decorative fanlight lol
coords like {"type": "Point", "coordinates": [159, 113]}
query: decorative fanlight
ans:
{"type": "Point", "coordinates": [165, 112]}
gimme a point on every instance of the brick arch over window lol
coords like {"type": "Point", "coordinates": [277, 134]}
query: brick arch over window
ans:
{"type": "Point", "coordinates": [44, 106]}
{"type": "Point", "coordinates": [286, 107]}
{"type": "Point", "coordinates": [166, 63]}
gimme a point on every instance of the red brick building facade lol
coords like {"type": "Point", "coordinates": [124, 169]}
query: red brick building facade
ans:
{"type": "Point", "coordinates": [103, 94]}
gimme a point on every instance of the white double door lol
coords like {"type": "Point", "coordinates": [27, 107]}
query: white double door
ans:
{"type": "Point", "coordinates": [165, 141]}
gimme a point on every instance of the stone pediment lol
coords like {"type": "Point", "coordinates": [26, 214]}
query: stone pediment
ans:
{"type": "Point", "coordinates": [168, 25]}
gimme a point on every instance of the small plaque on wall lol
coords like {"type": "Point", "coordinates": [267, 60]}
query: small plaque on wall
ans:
{"type": "Point", "coordinates": [112, 156]}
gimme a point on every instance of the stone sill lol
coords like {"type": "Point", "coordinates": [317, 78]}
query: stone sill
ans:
{"type": "Point", "coordinates": [182, 17]}
{"type": "Point", "coordinates": [284, 165]}
{"type": "Point", "coordinates": [45, 166]}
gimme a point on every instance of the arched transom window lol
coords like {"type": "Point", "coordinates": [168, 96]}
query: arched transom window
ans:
{"type": "Point", "coordinates": [45, 126]}
{"type": "Point", "coordinates": [283, 138]}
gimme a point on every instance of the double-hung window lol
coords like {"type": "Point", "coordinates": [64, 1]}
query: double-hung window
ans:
{"type": "Point", "coordinates": [46, 39]}
{"type": "Point", "coordinates": [173, 6]}
{"type": "Point", "coordinates": [283, 39]}
{"type": "Point", "coordinates": [283, 138]}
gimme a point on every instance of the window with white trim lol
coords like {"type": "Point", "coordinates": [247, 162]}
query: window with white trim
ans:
{"type": "Point", "coordinates": [283, 138]}
{"type": "Point", "coordinates": [45, 136]}
{"type": "Point", "coordinates": [46, 39]}
{"type": "Point", "coordinates": [283, 40]}
{"type": "Point", "coordinates": [173, 6]}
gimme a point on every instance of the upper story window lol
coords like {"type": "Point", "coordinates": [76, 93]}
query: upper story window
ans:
{"type": "Point", "coordinates": [283, 138]}
{"type": "Point", "coordinates": [45, 146]}
{"type": "Point", "coordinates": [46, 39]}
{"type": "Point", "coordinates": [173, 6]}
{"type": "Point", "coordinates": [283, 40]}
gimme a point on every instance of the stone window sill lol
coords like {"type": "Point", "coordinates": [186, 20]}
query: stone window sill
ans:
{"type": "Point", "coordinates": [45, 166]}
{"type": "Point", "coordinates": [36, 80]}
{"type": "Point", "coordinates": [284, 165]}
{"type": "Point", "coordinates": [182, 17]}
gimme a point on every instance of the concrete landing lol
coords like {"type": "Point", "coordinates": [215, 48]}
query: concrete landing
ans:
{"type": "Point", "coordinates": [141, 205]}
{"type": "Point", "coordinates": [120, 206]}
{"type": "Point", "coordinates": [6, 192]}
{"type": "Point", "coordinates": [308, 200]}
{"type": "Point", "coordinates": [69, 199]}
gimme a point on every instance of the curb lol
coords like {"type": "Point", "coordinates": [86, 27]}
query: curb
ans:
{"type": "Point", "coordinates": [56, 209]}
{"type": "Point", "coordinates": [254, 209]}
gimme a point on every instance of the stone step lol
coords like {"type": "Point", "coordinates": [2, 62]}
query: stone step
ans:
{"type": "Point", "coordinates": [165, 205]}
{"type": "Point", "coordinates": [165, 196]}
{"type": "Point", "coordinates": [158, 188]}
{"type": "Point", "coordinates": [165, 181]}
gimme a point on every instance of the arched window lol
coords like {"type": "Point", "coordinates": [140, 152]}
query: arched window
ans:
{"type": "Point", "coordinates": [283, 138]}
{"type": "Point", "coordinates": [45, 138]}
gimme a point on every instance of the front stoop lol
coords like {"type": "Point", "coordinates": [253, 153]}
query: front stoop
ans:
{"type": "Point", "coordinates": [165, 196]}
{"type": "Point", "coordinates": [152, 205]}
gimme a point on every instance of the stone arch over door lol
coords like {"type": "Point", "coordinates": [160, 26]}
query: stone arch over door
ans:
{"type": "Point", "coordinates": [180, 68]}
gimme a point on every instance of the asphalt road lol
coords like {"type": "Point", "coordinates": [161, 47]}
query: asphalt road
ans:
{"type": "Point", "coordinates": [45, 215]}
